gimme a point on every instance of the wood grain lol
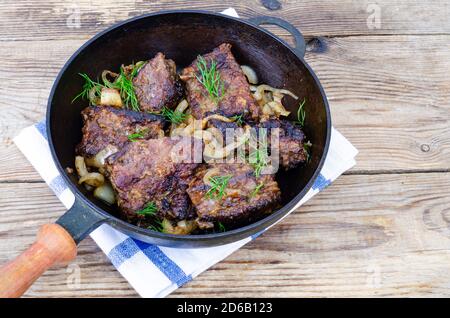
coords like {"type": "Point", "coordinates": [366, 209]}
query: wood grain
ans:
{"type": "Point", "coordinates": [395, 112]}
{"type": "Point", "coordinates": [381, 230]}
{"type": "Point", "coordinates": [39, 20]}
{"type": "Point", "coordinates": [384, 235]}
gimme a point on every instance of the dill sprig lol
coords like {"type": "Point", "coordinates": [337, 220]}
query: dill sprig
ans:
{"type": "Point", "coordinates": [137, 135]}
{"type": "Point", "coordinates": [210, 78]}
{"type": "Point", "coordinates": [256, 190]}
{"type": "Point", "coordinates": [150, 209]}
{"type": "Point", "coordinates": [124, 84]}
{"type": "Point", "coordinates": [238, 119]}
{"type": "Point", "coordinates": [301, 114]}
{"type": "Point", "coordinates": [176, 117]}
{"type": "Point", "coordinates": [89, 87]}
{"type": "Point", "coordinates": [157, 227]}
{"type": "Point", "coordinates": [221, 227]}
{"type": "Point", "coordinates": [218, 186]}
{"type": "Point", "coordinates": [259, 157]}
{"type": "Point", "coordinates": [307, 150]}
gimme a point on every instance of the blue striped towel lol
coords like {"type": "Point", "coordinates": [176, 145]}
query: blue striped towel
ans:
{"type": "Point", "coordinates": [156, 271]}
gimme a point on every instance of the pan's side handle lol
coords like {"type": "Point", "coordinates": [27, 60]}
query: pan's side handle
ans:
{"type": "Point", "coordinates": [300, 45]}
{"type": "Point", "coordinates": [54, 245]}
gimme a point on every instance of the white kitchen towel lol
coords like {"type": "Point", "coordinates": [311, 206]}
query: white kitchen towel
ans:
{"type": "Point", "coordinates": [156, 271]}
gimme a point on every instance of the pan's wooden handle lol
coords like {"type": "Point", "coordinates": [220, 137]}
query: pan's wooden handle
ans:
{"type": "Point", "coordinates": [54, 245]}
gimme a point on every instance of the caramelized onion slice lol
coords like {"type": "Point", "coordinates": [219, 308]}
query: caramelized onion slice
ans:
{"type": "Point", "coordinates": [105, 193]}
{"type": "Point", "coordinates": [262, 88]}
{"type": "Point", "coordinates": [183, 227]}
{"type": "Point", "coordinates": [94, 179]}
{"type": "Point", "coordinates": [250, 74]}
{"type": "Point", "coordinates": [80, 166]}
{"type": "Point", "coordinates": [98, 161]}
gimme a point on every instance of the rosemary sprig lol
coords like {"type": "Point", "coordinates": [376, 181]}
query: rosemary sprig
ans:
{"type": "Point", "coordinates": [210, 78]}
{"type": "Point", "coordinates": [175, 117]}
{"type": "Point", "coordinates": [301, 114]}
{"type": "Point", "coordinates": [150, 209]}
{"type": "Point", "coordinates": [221, 227]}
{"type": "Point", "coordinates": [88, 87]}
{"type": "Point", "coordinates": [137, 135]}
{"type": "Point", "coordinates": [218, 186]}
{"type": "Point", "coordinates": [256, 190]}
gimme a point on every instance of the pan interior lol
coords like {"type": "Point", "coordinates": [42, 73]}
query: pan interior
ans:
{"type": "Point", "coordinates": [181, 37]}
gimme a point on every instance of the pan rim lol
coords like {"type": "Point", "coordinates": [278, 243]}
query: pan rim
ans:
{"type": "Point", "coordinates": [212, 238]}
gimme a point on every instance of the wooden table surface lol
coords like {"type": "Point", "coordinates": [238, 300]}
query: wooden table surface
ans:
{"type": "Point", "coordinates": [382, 229]}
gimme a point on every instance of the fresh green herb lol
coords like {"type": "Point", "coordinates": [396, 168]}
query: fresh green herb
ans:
{"type": "Point", "coordinates": [175, 117]}
{"type": "Point", "coordinates": [301, 114]}
{"type": "Point", "coordinates": [238, 119]}
{"type": "Point", "coordinates": [258, 157]}
{"type": "Point", "coordinates": [124, 84]}
{"type": "Point", "coordinates": [157, 227]}
{"type": "Point", "coordinates": [218, 186]}
{"type": "Point", "coordinates": [210, 78]}
{"type": "Point", "coordinates": [91, 89]}
{"type": "Point", "coordinates": [256, 190]}
{"type": "Point", "coordinates": [149, 210]}
{"type": "Point", "coordinates": [221, 227]}
{"type": "Point", "coordinates": [137, 135]}
{"type": "Point", "coordinates": [306, 149]}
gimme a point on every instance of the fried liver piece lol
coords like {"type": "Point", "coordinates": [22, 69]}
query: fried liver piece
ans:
{"type": "Point", "coordinates": [105, 126]}
{"type": "Point", "coordinates": [235, 99]}
{"type": "Point", "coordinates": [157, 85]}
{"type": "Point", "coordinates": [291, 142]}
{"type": "Point", "coordinates": [154, 170]}
{"type": "Point", "coordinates": [245, 197]}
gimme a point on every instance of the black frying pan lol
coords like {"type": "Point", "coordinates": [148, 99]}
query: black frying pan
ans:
{"type": "Point", "coordinates": [181, 36]}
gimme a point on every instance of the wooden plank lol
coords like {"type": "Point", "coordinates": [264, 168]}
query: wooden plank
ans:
{"type": "Point", "coordinates": [36, 20]}
{"type": "Point", "coordinates": [385, 235]}
{"type": "Point", "coordinates": [395, 111]}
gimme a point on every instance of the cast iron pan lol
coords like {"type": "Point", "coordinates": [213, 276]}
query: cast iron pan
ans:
{"type": "Point", "coordinates": [181, 36]}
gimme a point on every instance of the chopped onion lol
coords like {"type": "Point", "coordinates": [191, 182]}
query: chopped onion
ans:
{"type": "Point", "coordinates": [110, 97]}
{"type": "Point", "coordinates": [250, 74]}
{"type": "Point", "coordinates": [94, 179]}
{"type": "Point", "coordinates": [183, 227]}
{"type": "Point", "coordinates": [105, 193]}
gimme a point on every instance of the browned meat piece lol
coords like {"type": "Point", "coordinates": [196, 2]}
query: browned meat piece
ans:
{"type": "Point", "coordinates": [291, 142]}
{"type": "Point", "coordinates": [154, 170]}
{"type": "Point", "coordinates": [109, 126]}
{"type": "Point", "coordinates": [157, 85]}
{"type": "Point", "coordinates": [245, 198]}
{"type": "Point", "coordinates": [291, 146]}
{"type": "Point", "coordinates": [236, 98]}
